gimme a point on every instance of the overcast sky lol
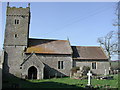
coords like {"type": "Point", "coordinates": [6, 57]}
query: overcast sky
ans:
{"type": "Point", "coordinates": [81, 22]}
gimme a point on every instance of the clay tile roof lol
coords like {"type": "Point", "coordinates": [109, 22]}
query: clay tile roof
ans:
{"type": "Point", "coordinates": [88, 52]}
{"type": "Point", "coordinates": [47, 46]}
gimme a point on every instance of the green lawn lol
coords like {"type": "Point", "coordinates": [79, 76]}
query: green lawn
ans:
{"type": "Point", "coordinates": [61, 83]}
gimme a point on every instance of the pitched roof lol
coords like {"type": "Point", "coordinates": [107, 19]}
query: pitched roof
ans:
{"type": "Point", "coordinates": [47, 46]}
{"type": "Point", "coordinates": [88, 52]}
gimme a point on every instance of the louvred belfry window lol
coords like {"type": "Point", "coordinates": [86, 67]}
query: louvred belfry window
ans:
{"type": "Point", "coordinates": [17, 21]}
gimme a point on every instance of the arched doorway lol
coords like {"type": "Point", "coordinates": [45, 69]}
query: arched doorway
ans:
{"type": "Point", "coordinates": [32, 73]}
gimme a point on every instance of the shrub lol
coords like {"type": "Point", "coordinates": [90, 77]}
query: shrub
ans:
{"type": "Point", "coordinates": [85, 70]}
{"type": "Point", "coordinates": [74, 70]}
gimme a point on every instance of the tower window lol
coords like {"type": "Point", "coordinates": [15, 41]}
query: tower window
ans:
{"type": "Point", "coordinates": [17, 21]}
{"type": "Point", "coordinates": [16, 36]}
{"type": "Point", "coordinates": [60, 64]}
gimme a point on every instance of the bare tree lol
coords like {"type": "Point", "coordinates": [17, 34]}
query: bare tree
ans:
{"type": "Point", "coordinates": [117, 13]}
{"type": "Point", "coordinates": [117, 23]}
{"type": "Point", "coordinates": [109, 43]}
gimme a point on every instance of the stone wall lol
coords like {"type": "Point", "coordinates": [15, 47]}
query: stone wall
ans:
{"type": "Point", "coordinates": [51, 65]}
{"type": "Point", "coordinates": [100, 66]}
{"type": "Point", "coordinates": [13, 57]}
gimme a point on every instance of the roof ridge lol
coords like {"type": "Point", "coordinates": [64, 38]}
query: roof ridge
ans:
{"type": "Point", "coordinates": [85, 46]}
{"type": "Point", "coordinates": [47, 39]}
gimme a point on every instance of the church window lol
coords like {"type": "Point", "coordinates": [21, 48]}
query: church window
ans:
{"type": "Point", "coordinates": [17, 21]}
{"type": "Point", "coordinates": [60, 64]}
{"type": "Point", "coordinates": [16, 35]}
{"type": "Point", "coordinates": [93, 65]}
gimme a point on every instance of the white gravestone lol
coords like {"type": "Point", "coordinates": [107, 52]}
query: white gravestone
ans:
{"type": "Point", "coordinates": [89, 75]}
{"type": "Point", "coordinates": [105, 72]}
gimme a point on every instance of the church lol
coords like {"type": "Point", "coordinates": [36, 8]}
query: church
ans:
{"type": "Point", "coordinates": [31, 58]}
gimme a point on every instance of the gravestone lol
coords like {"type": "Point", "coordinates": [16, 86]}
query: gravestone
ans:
{"type": "Point", "coordinates": [89, 78]}
{"type": "Point", "coordinates": [105, 72]}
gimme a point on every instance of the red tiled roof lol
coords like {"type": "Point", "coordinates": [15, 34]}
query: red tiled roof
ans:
{"type": "Point", "coordinates": [47, 46]}
{"type": "Point", "coordinates": [88, 52]}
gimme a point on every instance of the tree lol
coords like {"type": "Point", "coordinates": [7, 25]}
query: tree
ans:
{"type": "Point", "coordinates": [109, 43]}
{"type": "Point", "coordinates": [85, 70]}
{"type": "Point", "coordinates": [117, 13]}
{"type": "Point", "coordinates": [119, 34]}
{"type": "Point", "coordinates": [117, 23]}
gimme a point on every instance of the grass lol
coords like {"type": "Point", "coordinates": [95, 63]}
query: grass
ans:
{"type": "Point", "coordinates": [61, 83]}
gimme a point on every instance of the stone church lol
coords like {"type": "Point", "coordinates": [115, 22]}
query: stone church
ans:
{"type": "Point", "coordinates": [33, 58]}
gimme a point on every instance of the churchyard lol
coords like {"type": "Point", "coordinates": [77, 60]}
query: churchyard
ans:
{"type": "Point", "coordinates": [65, 82]}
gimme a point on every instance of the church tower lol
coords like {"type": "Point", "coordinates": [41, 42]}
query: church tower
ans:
{"type": "Point", "coordinates": [16, 38]}
{"type": "Point", "coordinates": [17, 26]}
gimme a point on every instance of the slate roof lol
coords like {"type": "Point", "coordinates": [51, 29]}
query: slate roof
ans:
{"type": "Point", "coordinates": [88, 52]}
{"type": "Point", "coordinates": [48, 46]}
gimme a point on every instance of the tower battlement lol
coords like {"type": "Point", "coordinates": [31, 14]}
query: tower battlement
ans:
{"type": "Point", "coordinates": [18, 11]}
